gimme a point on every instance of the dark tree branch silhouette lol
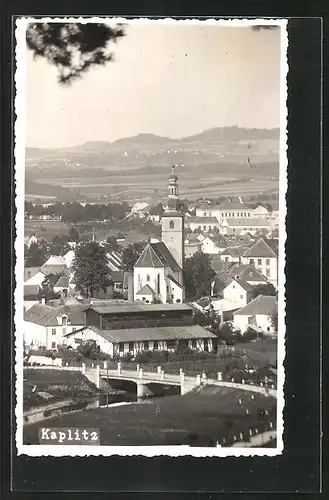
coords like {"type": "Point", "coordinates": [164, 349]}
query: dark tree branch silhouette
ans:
{"type": "Point", "coordinates": [73, 47]}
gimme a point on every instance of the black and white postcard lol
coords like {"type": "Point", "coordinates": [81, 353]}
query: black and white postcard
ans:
{"type": "Point", "coordinates": [151, 176]}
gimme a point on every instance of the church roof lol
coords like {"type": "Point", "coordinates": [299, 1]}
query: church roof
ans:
{"type": "Point", "coordinates": [174, 281]}
{"type": "Point", "coordinates": [146, 290]}
{"type": "Point", "coordinates": [157, 255]}
{"type": "Point", "coordinates": [165, 255]}
{"type": "Point", "coordinates": [149, 257]}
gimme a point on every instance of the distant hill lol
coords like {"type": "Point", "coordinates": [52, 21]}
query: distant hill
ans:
{"type": "Point", "coordinates": [207, 138]}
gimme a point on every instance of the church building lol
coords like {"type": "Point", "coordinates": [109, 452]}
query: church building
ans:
{"type": "Point", "coordinates": [158, 273]}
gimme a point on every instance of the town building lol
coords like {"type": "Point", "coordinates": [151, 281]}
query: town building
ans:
{"type": "Point", "coordinates": [263, 254]}
{"type": "Point", "coordinates": [45, 326]}
{"type": "Point", "coordinates": [237, 226]}
{"type": "Point", "coordinates": [134, 327]}
{"type": "Point", "coordinates": [213, 245]}
{"type": "Point", "coordinates": [192, 245]}
{"type": "Point", "coordinates": [259, 314]}
{"type": "Point", "coordinates": [160, 266]}
{"type": "Point", "coordinates": [231, 209]}
{"type": "Point", "coordinates": [204, 224]}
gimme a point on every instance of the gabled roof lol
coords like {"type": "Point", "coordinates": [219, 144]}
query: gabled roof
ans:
{"type": "Point", "coordinates": [165, 255]}
{"type": "Point", "coordinates": [245, 272]}
{"type": "Point", "coordinates": [157, 255]}
{"type": "Point", "coordinates": [174, 281]}
{"type": "Point", "coordinates": [263, 304]}
{"type": "Point", "coordinates": [203, 220]}
{"type": "Point", "coordinates": [41, 315]}
{"type": "Point", "coordinates": [244, 284]}
{"type": "Point", "coordinates": [133, 307]}
{"type": "Point", "coordinates": [154, 333]}
{"type": "Point", "coordinates": [146, 290]}
{"type": "Point", "coordinates": [62, 282]}
{"type": "Point", "coordinates": [149, 257]}
{"type": "Point", "coordinates": [31, 291]}
{"type": "Point", "coordinates": [55, 260]}
{"type": "Point", "coordinates": [233, 205]}
{"type": "Point", "coordinates": [29, 272]}
{"type": "Point", "coordinates": [249, 222]}
{"type": "Point", "coordinates": [262, 248]}
{"type": "Point", "coordinates": [234, 251]}
{"type": "Point", "coordinates": [44, 315]}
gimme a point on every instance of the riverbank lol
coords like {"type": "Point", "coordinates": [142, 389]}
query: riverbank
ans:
{"type": "Point", "coordinates": [46, 388]}
{"type": "Point", "coordinates": [210, 415]}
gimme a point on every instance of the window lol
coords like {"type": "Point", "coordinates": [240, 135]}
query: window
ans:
{"type": "Point", "coordinates": [143, 299]}
{"type": "Point", "coordinates": [193, 342]}
{"type": "Point", "coordinates": [147, 277]}
{"type": "Point", "coordinates": [74, 329]}
{"type": "Point", "coordinates": [131, 347]}
{"type": "Point", "coordinates": [259, 262]}
{"type": "Point", "coordinates": [267, 262]}
{"type": "Point", "coordinates": [205, 345]}
{"type": "Point", "coordinates": [226, 259]}
{"type": "Point", "coordinates": [146, 346]}
{"type": "Point", "coordinates": [238, 215]}
{"type": "Point", "coordinates": [267, 273]}
{"type": "Point", "coordinates": [64, 320]}
{"type": "Point", "coordinates": [241, 296]}
{"type": "Point", "coordinates": [199, 227]}
{"type": "Point", "coordinates": [204, 228]}
{"type": "Point", "coordinates": [205, 214]}
{"type": "Point", "coordinates": [171, 224]}
{"type": "Point", "coordinates": [155, 345]}
{"type": "Point", "coordinates": [64, 331]}
{"type": "Point", "coordinates": [178, 301]}
{"type": "Point", "coordinates": [249, 215]}
{"type": "Point", "coordinates": [167, 288]}
{"type": "Point", "coordinates": [121, 346]}
{"type": "Point", "coordinates": [233, 286]}
{"type": "Point", "coordinates": [268, 328]}
{"type": "Point", "coordinates": [53, 331]}
{"type": "Point", "coordinates": [251, 261]}
{"type": "Point", "coordinates": [78, 341]}
{"type": "Point", "coordinates": [234, 230]}
{"type": "Point", "coordinates": [53, 345]}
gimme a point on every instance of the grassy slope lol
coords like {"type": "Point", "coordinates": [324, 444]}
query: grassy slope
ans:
{"type": "Point", "coordinates": [54, 385]}
{"type": "Point", "coordinates": [198, 419]}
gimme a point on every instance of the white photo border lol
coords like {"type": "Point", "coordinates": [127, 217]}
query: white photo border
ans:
{"type": "Point", "coordinates": [19, 176]}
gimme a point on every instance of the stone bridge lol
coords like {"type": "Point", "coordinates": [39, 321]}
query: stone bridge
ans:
{"type": "Point", "coordinates": [186, 383]}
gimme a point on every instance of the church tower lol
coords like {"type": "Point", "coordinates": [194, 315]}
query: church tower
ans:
{"type": "Point", "coordinates": [173, 223]}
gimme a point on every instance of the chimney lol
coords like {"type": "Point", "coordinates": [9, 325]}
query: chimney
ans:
{"type": "Point", "coordinates": [130, 286]}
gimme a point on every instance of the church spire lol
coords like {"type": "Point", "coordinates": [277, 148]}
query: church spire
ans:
{"type": "Point", "coordinates": [172, 205]}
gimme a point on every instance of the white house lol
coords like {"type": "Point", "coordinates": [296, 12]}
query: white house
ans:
{"type": "Point", "coordinates": [231, 209]}
{"type": "Point", "coordinates": [260, 312]}
{"type": "Point", "coordinates": [238, 291]}
{"type": "Point", "coordinates": [205, 224]}
{"type": "Point", "coordinates": [45, 326]}
{"type": "Point", "coordinates": [260, 211]}
{"type": "Point", "coordinates": [134, 340]}
{"type": "Point", "coordinates": [213, 245]}
{"type": "Point", "coordinates": [264, 256]}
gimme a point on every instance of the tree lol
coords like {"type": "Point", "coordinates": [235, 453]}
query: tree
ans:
{"type": "Point", "coordinates": [46, 290]}
{"type": "Point", "coordinates": [131, 254]}
{"type": "Point", "coordinates": [59, 245]}
{"type": "Point", "coordinates": [36, 255]}
{"type": "Point", "coordinates": [90, 268]}
{"type": "Point", "coordinates": [74, 234]}
{"type": "Point", "coordinates": [267, 289]}
{"type": "Point", "coordinates": [73, 47]}
{"type": "Point", "coordinates": [198, 275]}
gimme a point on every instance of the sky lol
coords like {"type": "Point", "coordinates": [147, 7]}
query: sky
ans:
{"type": "Point", "coordinates": [169, 80]}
